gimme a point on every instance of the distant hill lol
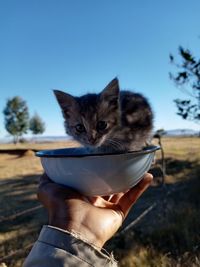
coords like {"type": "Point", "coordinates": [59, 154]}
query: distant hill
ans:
{"type": "Point", "coordinates": [181, 132]}
{"type": "Point", "coordinates": [174, 132]}
{"type": "Point", "coordinates": [37, 139]}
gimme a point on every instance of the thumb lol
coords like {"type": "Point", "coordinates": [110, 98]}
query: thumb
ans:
{"type": "Point", "coordinates": [130, 197]}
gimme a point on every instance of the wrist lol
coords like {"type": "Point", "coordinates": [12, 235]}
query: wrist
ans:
{"type": "Point", "coordinates": [85, 234]}
{"type": "Point", "coordinates": [78, 230]}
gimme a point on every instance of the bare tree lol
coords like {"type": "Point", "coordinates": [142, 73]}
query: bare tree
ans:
{"type": "Point", "coordinates": [187, 79]}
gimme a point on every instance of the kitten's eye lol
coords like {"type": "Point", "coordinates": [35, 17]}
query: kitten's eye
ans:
{"type": "Point", "coordinates": [80, 128]}
{"type": "Point", "coordinates": [101, 125]}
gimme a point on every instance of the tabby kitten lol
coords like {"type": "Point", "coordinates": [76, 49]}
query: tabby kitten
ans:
{"type": "Point", "coordinates": [110, 121]}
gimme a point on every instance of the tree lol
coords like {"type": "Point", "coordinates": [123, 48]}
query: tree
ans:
{"type": "Point", "coordinates": [188, 79]}
{"type": "Point", "coordinates": [16, 117]}
{"type": "Point", "coordinates": [36, 125]}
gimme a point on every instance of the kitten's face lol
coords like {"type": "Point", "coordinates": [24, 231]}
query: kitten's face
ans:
{"type": "Point", "coordinates": [90, 119]}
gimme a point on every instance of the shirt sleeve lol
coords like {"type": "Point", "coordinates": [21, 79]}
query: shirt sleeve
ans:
{"type": "Point", "coordinates": [58, 248]}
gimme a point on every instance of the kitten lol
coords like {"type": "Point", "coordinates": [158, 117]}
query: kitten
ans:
{"type": "Point", "coordinates": [110, 121]}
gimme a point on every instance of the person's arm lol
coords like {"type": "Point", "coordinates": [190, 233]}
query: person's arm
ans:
{"type": "Point", "coordinates": [56, 247]}
{"type": "Point", "coordinates": [79, 226]}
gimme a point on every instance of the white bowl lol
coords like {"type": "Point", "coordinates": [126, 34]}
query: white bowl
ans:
{"type": "Point", "coordinates": [96, 174]}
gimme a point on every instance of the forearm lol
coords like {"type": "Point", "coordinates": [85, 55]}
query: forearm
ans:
{"type": "Point", "coordinates": [59, 248]}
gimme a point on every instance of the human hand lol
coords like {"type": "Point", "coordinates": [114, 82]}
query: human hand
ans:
{"type": "Point", "coordinates": [95, 219]}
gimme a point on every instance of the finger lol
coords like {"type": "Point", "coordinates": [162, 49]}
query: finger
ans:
{"type": "Point", "coordinates": [48, 188]}
{"type": "Point", "coordinates": [100, 202]}
{"type": "Point", "coordinates": [107, 198]}
{"type": "Point", "coordinates": [116, 197]}
{"type": "Point", "coordinates": [129, 198]}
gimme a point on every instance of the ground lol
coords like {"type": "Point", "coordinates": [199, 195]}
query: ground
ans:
{"type": "Point", "coordinates": [167, 234]}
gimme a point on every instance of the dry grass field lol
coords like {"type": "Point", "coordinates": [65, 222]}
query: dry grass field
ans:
{"type": "Point", "coordinates": [167, 236]}
{"type": "Point", "coordinates": [14, 164]}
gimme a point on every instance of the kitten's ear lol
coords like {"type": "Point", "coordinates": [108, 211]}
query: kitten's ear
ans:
{"type": "Point", "coordinates": [111, 92]}
{"type": "Point", "coordinates": [66, 101]}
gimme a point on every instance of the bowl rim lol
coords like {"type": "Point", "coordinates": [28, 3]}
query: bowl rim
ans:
{"type": "Point", "coordinates": [50, 153]}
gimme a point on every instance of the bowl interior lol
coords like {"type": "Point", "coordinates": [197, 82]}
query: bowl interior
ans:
{"type": "Point", "coordinates": [83, 152]}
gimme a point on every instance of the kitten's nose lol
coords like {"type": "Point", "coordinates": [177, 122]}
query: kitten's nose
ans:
{"type": "Point", "coordinates": [92, 139]}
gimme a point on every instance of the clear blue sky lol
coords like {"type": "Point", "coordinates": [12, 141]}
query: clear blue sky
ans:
{"type": "Point", "coordinates": [80, 45]}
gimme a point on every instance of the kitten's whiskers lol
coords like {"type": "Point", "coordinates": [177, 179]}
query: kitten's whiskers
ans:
{"type": "Point", "coordinates": [115, 144]}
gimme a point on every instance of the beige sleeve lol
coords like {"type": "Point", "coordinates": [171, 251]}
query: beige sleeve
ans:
{"type": "Point", "coordinates": [58, 248]}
